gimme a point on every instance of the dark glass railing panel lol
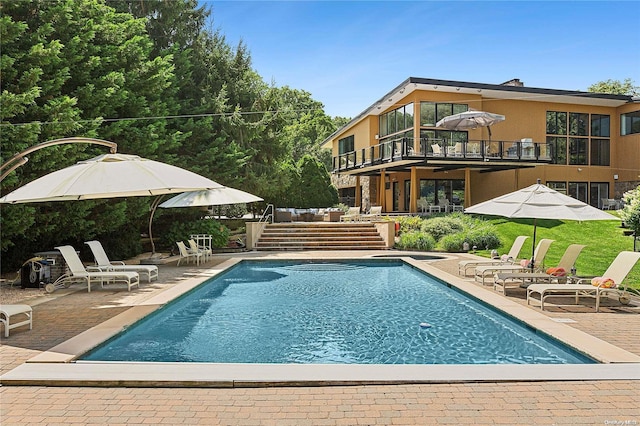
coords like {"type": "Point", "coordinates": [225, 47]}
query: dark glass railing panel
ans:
{"type": "Point", "coordinates": [389, 151]}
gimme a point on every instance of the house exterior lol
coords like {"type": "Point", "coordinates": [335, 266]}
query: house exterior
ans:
{"type": "Point", "coordinates": [586, 145]}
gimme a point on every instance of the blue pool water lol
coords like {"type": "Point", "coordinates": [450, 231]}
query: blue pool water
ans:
{"type": "Point", "coordinates": [372, 312]}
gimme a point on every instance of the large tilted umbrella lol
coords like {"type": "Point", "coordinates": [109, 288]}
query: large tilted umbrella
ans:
{"type": "Point", "coordinates": [539, 202]}
{"type": "Point", "coordinates": [111, 176]}
{"type": "Point", "coordinates": [211, 197]}
{"type": "Point", "coordinates": [470, 120]}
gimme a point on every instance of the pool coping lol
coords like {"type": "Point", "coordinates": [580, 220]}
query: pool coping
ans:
{"type": "Point", "coordinates": [59, 366]}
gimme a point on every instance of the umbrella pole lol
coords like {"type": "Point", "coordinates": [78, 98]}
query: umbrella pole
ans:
{"type": "Point", "coordinates": [533, 247]}
{"type": "Point", "coordinates": [154, 207]}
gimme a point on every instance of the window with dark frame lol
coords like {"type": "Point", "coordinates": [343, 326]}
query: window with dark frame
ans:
{"type": "Point", "coordinates": [578, 124]}
{"type": "Point", "coordinates": [600, 154]}
{"type": "Point", "coordinates": [396, 121]}
{"type": "Point", "coordinates": [578, 151]}
{"type": "Point", "coordinates": [346, 145]}
{"type": "Point", "coordinates": [630, 123]}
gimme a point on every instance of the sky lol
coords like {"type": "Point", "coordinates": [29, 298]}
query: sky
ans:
{"type": "Point", "coordinates": [348, 54]}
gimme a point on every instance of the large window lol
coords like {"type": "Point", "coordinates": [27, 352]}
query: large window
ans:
{"type": "Point", "coordinates": [600, 152]}
{"type": "Point", "coordinates": [556, 123]}
{"type": "Point", "coordinates": [397, 120]}
{"type": "Point", "coordinates": [431, 112]}
{"type": "Point", "coordinates": [558, 149]}
{"type": "Point", "coordinates": [435, 190]}
{"type": "Point", "coordinates": [578, 124]}
{"type": "Point", "coordinates": [630, 123]}
{"type": "Point", "coordinates": [578, 190]}
{"type": "Point", "coordinates": [587, 144]}
{"type": "Point", "coordinates": [346, 145]}
{"type": "Point", "coordinates": [578, 150]}
{"type": "Point", "coordinates": [598, 191]}
{"type": "Point", "coordinates": [600, 125]}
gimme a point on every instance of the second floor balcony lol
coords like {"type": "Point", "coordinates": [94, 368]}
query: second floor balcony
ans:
{"type": "Point", "coordinates": [408, 151]}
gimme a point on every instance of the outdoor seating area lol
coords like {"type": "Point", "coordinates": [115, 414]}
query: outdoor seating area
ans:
{"type": "Point", "coordinates": [77, 272]}
{"type": "Point", "coordinates": [611, 204]}
{"type": "Point", "coordinates": [284, 215]}
{"type": "Point", "coordinates": [610, 283]}
{"type": "Point", "coordinates": [482, 272]}
{"type": "Point", "coordinates": [104, 264]}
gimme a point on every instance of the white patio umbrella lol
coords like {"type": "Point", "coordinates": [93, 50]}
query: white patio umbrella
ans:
{"type": "Point", "coordinates": [539, 202]}
{"type": "Point", "coordinates": [111, 176]}
{"type": "Point", "coordinates": [211, 197]}
{"type": "Point", "coordinates": [470, 120]}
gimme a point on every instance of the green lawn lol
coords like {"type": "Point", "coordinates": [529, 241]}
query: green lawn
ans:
{"type": "Point", "coordinates": [603, 240]}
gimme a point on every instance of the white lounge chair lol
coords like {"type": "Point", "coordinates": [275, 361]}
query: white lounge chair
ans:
{"type": "Point", "coordinates": [523, 279]}
{"type": "Point", "coordinates": [482, 272]}
{"type": "Point", "coordinates": [77, 272]}
{"type": "Point", "coordinates": [187, 255]}
{"type": "Point", "coordinates": [509, 258]}
{"type": "Point", "coordinates": [8, 311]}
{"type": "Point", "coordinates": [617, 271]}
{"type": "Point", "coordinates": [104, 264]}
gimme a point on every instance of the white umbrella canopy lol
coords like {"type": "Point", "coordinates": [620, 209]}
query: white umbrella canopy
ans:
{"type": "Point", "coordinates": [110, 176]}
{"type": "Point", "coordinates": [211, 197]}
{"type": "Point", "coordinates": [469, 120]}
{"type": "Point", "coordinates": [538, 201]}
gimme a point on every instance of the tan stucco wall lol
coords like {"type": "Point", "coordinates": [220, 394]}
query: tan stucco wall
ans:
{"type": "Point", "coordinates": [524, 119]}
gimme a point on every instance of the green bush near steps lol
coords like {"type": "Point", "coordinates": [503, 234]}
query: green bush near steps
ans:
{"type": "Point", "coordinates": [447, 233]}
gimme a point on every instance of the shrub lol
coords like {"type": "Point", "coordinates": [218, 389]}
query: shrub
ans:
{"type": "Point", "coordinates": [442, 225]}
{"type": "Point", "coordinates": [416, 240]}
{"type": "Point", "coordinates": [180, 231]}
{"type": "Point", "coordinates": [409, 223]}
{"type": "Point", "coordinates": [630, 213]}
{"type": "Point", "coordinates": [452, 243]}
{"type": "Point", "coordinates": [484, 237]}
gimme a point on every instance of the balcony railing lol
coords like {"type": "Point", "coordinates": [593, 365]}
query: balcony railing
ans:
{"type": "Point", "coordinates": [439, 149]}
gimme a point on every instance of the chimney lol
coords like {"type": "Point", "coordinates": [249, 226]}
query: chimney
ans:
{"type": "Point", "coordinates": [513, 82]}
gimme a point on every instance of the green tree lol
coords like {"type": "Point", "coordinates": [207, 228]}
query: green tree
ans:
{"type": "Point", "coordinates": [615, 87]}
{"type": "Point", "coordinates": [314, 185]}
{"type": "Point", "coordinates": [69, 68]}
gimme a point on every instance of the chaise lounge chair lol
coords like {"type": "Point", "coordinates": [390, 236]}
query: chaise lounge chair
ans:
{"type": "Point", "coordinates": [617, 271]}
{"type": "Point", "coordinates": [524, 279]}
{"type": "Point", "coordinates": [104, 264]}
{"type": "Point", "coordinates": [7, 311]}
{"type": "Point", "coordinates": [509, 258]}
{"type": "Point", "coordinates": [79, 273]}
{"type": "Point", "coordinates": [482, 272]}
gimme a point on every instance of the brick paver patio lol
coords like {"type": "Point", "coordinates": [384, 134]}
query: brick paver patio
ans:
{"type": "Point", "coordinates": [522, 403]}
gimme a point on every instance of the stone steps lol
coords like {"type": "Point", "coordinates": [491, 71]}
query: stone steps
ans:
{"type": "Point", "coordinates": [320, 236]}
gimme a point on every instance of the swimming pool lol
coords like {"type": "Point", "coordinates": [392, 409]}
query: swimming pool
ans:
{"type": "Point", "coordinates": [356, 312]}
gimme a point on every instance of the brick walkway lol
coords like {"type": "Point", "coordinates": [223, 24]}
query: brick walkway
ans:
{"type": "Point", "coordinates": [546, 403]}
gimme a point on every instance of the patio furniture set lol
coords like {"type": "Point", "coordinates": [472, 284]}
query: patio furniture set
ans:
{"type": "Point", "coordinates": [557, 282]}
